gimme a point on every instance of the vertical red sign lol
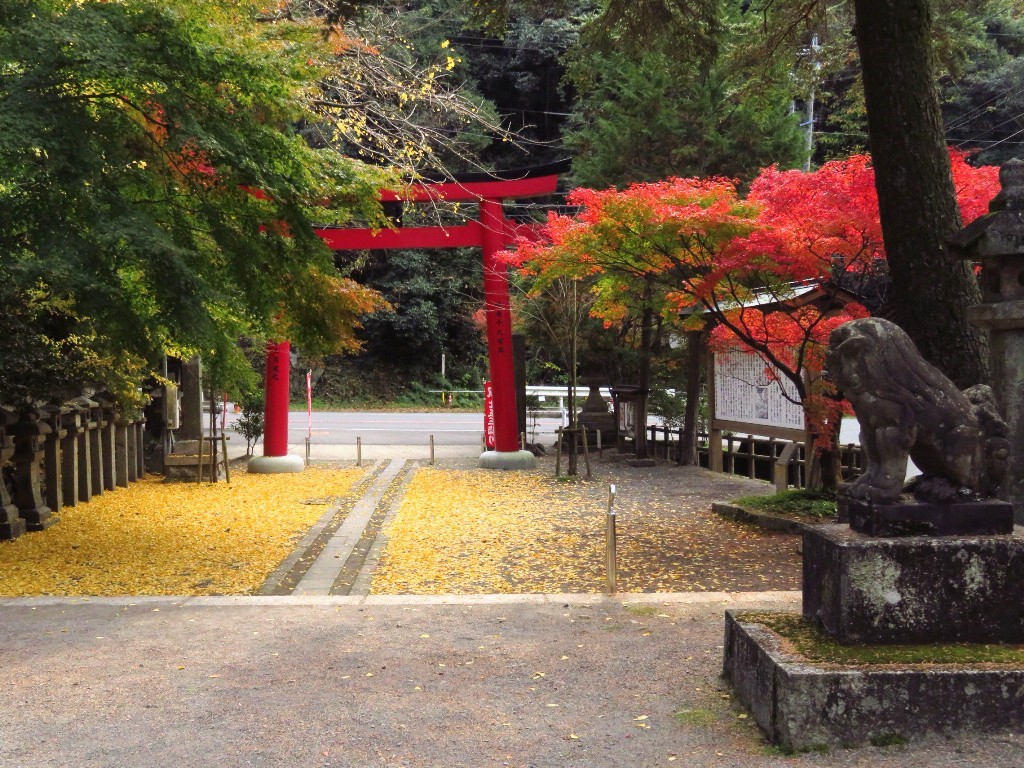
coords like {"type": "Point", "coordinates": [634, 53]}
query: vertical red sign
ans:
{"type": "Point", "coordinates": [489, 415]}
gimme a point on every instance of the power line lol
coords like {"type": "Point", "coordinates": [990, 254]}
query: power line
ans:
{"type": "Point", "coordinates": [1013, 119]}
{"type": "Point", "coordinates": [1007, 94]}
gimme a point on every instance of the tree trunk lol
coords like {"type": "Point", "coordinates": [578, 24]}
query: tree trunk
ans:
{"type": "Point", "coordinates": [646, 334]}
{"type": "Point", "coordinates": [574, 424]}
{"type": "Point", "coordinates": [931, 289]}
{"type": "Point", "coordinates": [824, 470]}
{"type": "Point", "coordinates": [695, 342]}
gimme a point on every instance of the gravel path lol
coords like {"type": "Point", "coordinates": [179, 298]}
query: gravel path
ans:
{"type": "Point", "coordinates": [543, 682]}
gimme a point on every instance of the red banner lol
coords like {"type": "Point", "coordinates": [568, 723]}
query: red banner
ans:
{"type": "Point", "coordinates": [489, 415]}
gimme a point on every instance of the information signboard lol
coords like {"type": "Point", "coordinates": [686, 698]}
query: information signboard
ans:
{"type": "Point", "coordinates": [747, 393]}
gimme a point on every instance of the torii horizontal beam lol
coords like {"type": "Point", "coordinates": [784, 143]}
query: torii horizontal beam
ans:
{"type": "Point", "coordinates": [468, 235]}
{"type": "Point", "coordinates": [474, 191]}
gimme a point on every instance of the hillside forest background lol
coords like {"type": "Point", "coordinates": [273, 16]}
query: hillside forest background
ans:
{"type": "Point", "coordinates": [625, 115]}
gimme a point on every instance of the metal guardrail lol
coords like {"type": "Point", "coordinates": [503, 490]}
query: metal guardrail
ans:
{"type": "Point", "coordinates": [544, 394]}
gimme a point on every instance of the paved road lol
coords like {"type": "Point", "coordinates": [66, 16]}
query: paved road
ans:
{"type": "Point", "coordinates": [376, 428]}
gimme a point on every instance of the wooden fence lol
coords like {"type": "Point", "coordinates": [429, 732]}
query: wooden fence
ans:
{"type": "Point", "coordinates": [779, 461]}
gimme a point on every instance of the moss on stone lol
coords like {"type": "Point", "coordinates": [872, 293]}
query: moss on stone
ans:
{"type": "Point", "coordinates": [800, 503]}
{"type": "Point", "coordinates": [802, 638]}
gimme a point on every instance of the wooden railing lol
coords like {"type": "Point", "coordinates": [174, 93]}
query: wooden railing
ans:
{"type": "Point", "coordinates": [779, 461]}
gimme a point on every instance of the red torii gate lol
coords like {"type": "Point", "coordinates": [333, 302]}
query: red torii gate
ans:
{"type": "Point", "coordinates": [492, 232]}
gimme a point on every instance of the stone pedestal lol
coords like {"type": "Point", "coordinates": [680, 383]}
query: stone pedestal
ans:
{"type": "Point", "coordinates": [275, 465]}
{"type": "Point", "coordinates": [970, 518]}
{"type": "Point", "coordinates": [499, 460]}
{"type": "Point", "coordinates": [917, 589]}
{"type": "Point", "coordinates": [11, 523]}
{"type": "Point", "coordinates": [30, 434]}
{"type": "Point", "coordinates": [810, 706]}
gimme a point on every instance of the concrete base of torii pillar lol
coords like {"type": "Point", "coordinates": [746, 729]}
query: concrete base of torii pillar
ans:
{"type": "Point", "coordinates": [507, 460]}
{"type": "Point", "coordinates": [274, 465]}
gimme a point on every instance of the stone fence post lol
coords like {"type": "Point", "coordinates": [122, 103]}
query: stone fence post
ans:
{"type": "Point", "coordinates": [133, 449]}
{"type": "Point", "coordinates": [53, 463]}
{"type": "Point", "coordinates": [88, 448]}
{"type": "Point", "coordinates": [120, 424]}
{"type": "Point", "coordinates": [140, 447]}
{"type": "Point", "coordinates": [72, 417]}
{"type": "Point", "coordinates": [29, 449]}
{"type": "Point", "coordinates": [11, 523]}
{"type": "Point", "coordinates": [107, 429]}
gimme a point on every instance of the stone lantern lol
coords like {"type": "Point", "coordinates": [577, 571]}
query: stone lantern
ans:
{"type": "Point", "coordinates": [996, 241]}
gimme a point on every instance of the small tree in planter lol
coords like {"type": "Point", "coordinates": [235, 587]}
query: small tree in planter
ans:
{"type": "Point", "coordinates": [250, 423]}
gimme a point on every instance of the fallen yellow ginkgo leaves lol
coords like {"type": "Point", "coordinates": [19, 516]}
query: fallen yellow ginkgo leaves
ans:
{"type": "Point", "coordinates": [478, 531]}
{"type": "Point", "coordinates": [156, 538]}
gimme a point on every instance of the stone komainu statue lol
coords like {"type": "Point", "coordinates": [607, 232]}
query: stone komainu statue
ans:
{"type": "Point", "coordinates": [907, 407]}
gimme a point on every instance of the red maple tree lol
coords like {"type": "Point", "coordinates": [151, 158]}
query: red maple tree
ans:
{"type": "Point", "coordinates": [695, 248]}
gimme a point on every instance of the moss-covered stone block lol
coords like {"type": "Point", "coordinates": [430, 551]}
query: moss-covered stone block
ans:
{"type": "Point", "coordinates": [805, 705]}
{"type": "Point", "coordinates": [864, 589]}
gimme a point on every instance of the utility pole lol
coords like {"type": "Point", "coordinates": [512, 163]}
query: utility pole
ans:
{"type": "Point", "coordinates": [809, 122]}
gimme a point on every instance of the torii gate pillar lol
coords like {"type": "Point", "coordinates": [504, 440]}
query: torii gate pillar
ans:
{"type": "Point", "coordinates": [506, 453]}
{"type": "Point", "coordinates": [275, 458]}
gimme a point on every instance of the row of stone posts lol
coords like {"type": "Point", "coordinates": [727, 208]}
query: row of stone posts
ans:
{"type": "Point", "coordinates": [63, 455]}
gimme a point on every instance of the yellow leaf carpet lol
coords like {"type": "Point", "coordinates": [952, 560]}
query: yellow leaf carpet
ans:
{"type": "Point", "coordinates": [480, 531]}
{"type": "Point", "coordinates": [157, 538]}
